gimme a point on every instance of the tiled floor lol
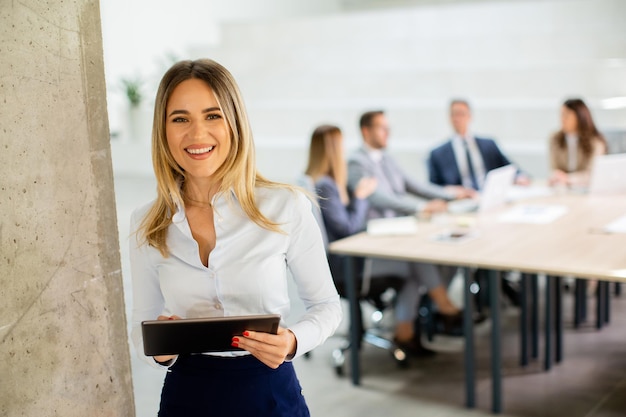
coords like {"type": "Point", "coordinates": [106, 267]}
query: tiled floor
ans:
{"type": "Point", "coordinates": [591, 382]}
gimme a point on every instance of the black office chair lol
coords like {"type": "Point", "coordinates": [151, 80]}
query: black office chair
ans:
{"type": "Point", "coordinates": [379, 291]}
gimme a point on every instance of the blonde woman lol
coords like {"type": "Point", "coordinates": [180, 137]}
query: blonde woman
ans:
{"type": "Point", "coordinates": [218, 241]}
{"type": "Point", "coordinates": [573, 148]}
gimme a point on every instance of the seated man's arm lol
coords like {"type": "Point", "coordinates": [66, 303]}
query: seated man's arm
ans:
{"type": "Point", "coordinates": [381, 199]}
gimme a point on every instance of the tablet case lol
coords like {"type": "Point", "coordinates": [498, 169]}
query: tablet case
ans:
{"type": "Point", "coordinates": [213, 334]}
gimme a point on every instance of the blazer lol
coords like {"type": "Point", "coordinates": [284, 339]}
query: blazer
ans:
{"type": "Point", "coordinates": [393, 193]}
{"type": "Point", "coordinates": [559, 157]}
{"type": "Point", "coordinates": [581, 175]}
{"type": "Point", "coordinates": [340, 221]}
{"type": "Point", "coordinates": [443, 169]}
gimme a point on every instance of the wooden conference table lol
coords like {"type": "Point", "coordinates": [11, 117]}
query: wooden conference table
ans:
{"type": "Point", "coordinates": [575, 243]}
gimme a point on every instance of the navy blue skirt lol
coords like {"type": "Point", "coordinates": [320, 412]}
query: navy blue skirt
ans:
{"type": "Point", "coordinates": [203, 386]}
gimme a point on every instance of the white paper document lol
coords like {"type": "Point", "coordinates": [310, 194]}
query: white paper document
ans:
{"type": "Point", "coordinates": [522, 192]}
{"type": "Point", "coordinates": [616, 226]}
{"type": "Point", "coordinates": [392, 226]}
{"type": "Point", "coordinates": [533, 214]}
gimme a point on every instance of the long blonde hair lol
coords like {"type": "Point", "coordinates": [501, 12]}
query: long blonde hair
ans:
{"type": "Point", "coordinates": [326, 158]}
{"type": "Point", "coordinates": [238, 172]}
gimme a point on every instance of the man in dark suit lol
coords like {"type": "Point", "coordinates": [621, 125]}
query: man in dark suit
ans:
{"type": "Point", "coordinates": [465, 159]}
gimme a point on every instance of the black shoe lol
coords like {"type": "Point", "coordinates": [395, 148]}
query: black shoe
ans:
{"type": "Point", "coordinates": [449, 324]}
{"type": "Point", "coordinates": [414, 348]}
{"type": "Point", "coordinates": [453, 324]}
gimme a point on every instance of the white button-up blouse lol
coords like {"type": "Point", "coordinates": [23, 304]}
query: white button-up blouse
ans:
{"type": "Point", "coordinates": [247, 271]}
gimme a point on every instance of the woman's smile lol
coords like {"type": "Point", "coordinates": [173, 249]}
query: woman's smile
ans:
{"type": "Point", "coordinates": [197, 133]}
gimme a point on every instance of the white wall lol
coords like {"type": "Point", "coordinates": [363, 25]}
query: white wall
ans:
{"type": "Point", "coordinates": [515, 60]}
{"type": "Point", "coordinates": [142, 38]}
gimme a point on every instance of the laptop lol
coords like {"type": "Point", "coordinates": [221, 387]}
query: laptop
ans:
{"type": "Point", "coordinates": [608, 174]}
{"type": "Point", "coordinates": [498, 183]}
{"type": "Point", "coordinates": [496, 189]}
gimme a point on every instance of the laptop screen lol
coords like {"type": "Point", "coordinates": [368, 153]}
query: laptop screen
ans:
{"type": "Point", "coordinates": [608, 174]}
{"type": "Point", "coordinates": [496, 188]}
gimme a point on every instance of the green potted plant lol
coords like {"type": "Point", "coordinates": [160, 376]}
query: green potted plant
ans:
{"type": "Point", "coordinates": [132, 88]}
{"type": "Point", "coordinates": [138, 125]}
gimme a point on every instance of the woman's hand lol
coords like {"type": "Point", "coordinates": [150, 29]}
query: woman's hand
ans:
{"type": "Point", "coordinates": [166, 358]}
{"type": "Point", "coordinates": [365, 187]}
{"type": "Point", "coordinates": [558, 177]}
{"type": "Point", "coordinates": [271, 349]}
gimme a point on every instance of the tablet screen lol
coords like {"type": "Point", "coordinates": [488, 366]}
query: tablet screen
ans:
{"type": "Point", "coordinates": [213, 334]}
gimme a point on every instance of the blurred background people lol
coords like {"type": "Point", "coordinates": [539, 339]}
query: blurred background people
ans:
{"type": "Point", "coordinates": [395, 196]}
{"type": "Point", "coordinates": [465, 159]}
{"type": "Point", "coordinates": [345, 213]}
{"type": "Point", "coordinates": [573, 148]}
{"type": "Point", "coordinates": [396, 191]}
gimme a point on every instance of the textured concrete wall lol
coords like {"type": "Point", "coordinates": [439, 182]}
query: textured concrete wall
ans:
{"type": "Point", "coordinates": [63, 343]}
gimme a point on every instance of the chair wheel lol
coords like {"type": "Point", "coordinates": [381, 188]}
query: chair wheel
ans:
{"type": "Point", "coordinates": [401, 357]}
{"type": "Point", "coordinates": [338, 360]}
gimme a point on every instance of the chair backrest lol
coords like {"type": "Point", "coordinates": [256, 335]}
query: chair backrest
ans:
{"type": "Point", "coordinates": [616, 140]}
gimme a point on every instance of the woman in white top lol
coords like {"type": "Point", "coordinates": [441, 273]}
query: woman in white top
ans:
{"type": "Point", "coordinates": [573, 148]}
{"type": "Point", "coordinates": [218, 241]}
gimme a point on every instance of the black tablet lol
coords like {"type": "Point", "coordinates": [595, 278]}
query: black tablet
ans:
{"type": "Point", "coordinates": [212, 334]}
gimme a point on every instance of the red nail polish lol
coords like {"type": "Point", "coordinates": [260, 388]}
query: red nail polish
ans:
{"type": "Point", "coordinates": [246, 334]}
{"type": "Point", "coordinates": [235, 339]}
{"type": "Point", "coordinates": [235, 344]}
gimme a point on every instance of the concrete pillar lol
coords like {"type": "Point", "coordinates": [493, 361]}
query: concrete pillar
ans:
{"type": "Point", "coordinates": [63, 337]}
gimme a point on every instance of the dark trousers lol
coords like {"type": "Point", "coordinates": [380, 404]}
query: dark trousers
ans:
{"type": "Point", "coordinates": [202, 385]}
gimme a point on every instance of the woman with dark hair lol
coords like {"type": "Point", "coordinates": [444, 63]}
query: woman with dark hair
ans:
{"type": "Point", "coordinates": [573, 148]}
{"type": "Point", "coordinates": [220, 240]}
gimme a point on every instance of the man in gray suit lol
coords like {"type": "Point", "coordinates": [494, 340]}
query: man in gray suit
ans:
{"type": "Point", "coordinates": [393, 197]}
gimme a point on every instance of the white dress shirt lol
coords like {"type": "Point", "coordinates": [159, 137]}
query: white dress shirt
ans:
{"type": "Point", "coordinates": [247, 271]}
{"type": "Point", "coordinates": [375, 154]}
{"type": "Point", "coordinates": [478, 165]}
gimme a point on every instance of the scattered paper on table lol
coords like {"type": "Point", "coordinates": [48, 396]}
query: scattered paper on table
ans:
{"type": "Point", "coordinates": [523, 192]}
{"type": "Point", "coordinates": [533, 214]}
{"type": "Point", "coordinates": [617, 226]}
{"type": "Point", "coordinates": [406, 225]}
